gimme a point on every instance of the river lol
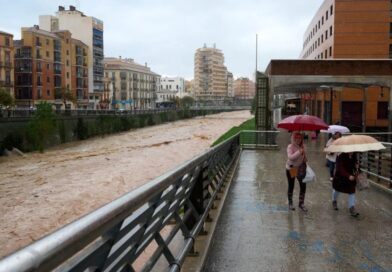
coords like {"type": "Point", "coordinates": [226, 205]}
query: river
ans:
{"type": "Point", "coordinates": [41, 192]}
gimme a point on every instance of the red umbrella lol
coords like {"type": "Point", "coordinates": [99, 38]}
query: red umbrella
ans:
{"type": "Point", "coordinates": [302, 122]}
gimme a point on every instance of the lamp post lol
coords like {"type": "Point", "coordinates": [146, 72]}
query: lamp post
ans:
{"type": "Point", "coordinates": [330, 104]}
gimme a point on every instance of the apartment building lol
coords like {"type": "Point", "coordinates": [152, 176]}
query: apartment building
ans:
{"type": "Point", "coordinates": [176, 85]}
{"type": "Point", "coordinates": [130, 85]}
{"type": "Point", "coordinates": [46, 64]}
{"type": "Point", "coordinates": [210, 74]}
{"type": "Point", "coordinates": [343, 29]}
{"type": "Point", "coordinates": [7, 62]}
{"type": "Point", "coordinates": [89, 30]}
{"type": "Point", "coordinates": [230, 84]}
{"type": "Point", "coordinates": [244, 88]}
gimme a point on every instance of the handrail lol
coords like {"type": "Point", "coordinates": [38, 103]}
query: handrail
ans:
{"type": "Point", "coordinates": [130, 223]}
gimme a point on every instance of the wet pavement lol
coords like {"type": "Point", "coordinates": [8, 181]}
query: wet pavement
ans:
{"type": "Point", "coordinates": [256, 232]}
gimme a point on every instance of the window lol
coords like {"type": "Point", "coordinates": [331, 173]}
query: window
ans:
{"type": "Point", "coordinates": [48, 92]}
{"type": "Point", "coordinates": [321, 54]}
{"type": "Point", "coordinates": [47, 42]}
{"type": "Point", "coordinates": [67, 52]}
{"type": "Point", "coordinates": [382, 110]}
{"type": "Point", "coordinates": [330, 31]}
{"type": "Point", "coordinates": [331, 10]}
{"type": "Point", "coordinates": [390, 30]}
{"type": "Point", "coordinates": [318, 41]}
{"type": "Point", "coordinates": [326, 34]}
{"type": "Point", "coordinates": [326, 15]}
{"type": "Point", "coordinates": [322, 38]}
{"type": "Point", "coordinates": [47, 53]}
{"type": "Point", "coordinates": [330, 51]}
{"type": "Point", "coordinates": [322, 20]}
{"type": "Point", "coordinates": [67, 74]}
{"type": "Point", "coordinates": [325, 54]}
{"type": "Point", "coordinates": [7, 41]}
{"type": "Point", "coordinates": [390, 51]}
{"type": "Point", "coordinates": [48, 79]}
{"type": "Point", "coordinates": [319, 24]}
{"type": "Point", "coordinates": [47, 66]}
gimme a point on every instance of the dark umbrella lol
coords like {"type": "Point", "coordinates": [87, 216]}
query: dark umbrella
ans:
{"type": "Point", "coordinates": [302, 122]}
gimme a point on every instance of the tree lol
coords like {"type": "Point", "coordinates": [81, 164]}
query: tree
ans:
{"type": "Point", "coordinates": [66, 95]}
{"type": "Point", "coordinates": [5, 98]}
{"type": "Point", "coordinates": [42, 125]}
{"type": "Point", "coordinates": [187, 101]}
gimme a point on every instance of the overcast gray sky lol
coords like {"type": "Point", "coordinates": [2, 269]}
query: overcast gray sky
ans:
{"type": "Point", "coordinates": [166, 33]}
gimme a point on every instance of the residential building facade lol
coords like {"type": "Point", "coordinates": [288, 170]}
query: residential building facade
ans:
{"type": "Point", "coordinates": [171, 89]}
{"type": "Point", "coordinates": [344, 29]}
{"type": "Point", "coordinates": [89, 30]}
{"type": "Point", "coordinates": [7, 62]}
{"type": "Point", "coordinates": [46, 66]}
{"type": "Point", "coordinates": [230, 85]}
{"type": "Point", "coordinates": [244, 88]}
{"type": "Point", "coordinates": [130, 85]}
{"type": "Point", "coordinates": [210, 81]}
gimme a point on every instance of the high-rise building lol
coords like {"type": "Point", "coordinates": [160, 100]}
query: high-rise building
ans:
{"type": "Point", "coordinates": [244, 88]}
{"type": "Point", "coordinates": [131, 86]}
{"type": "Point", "coordinates": [344, 29]}
{"type": "Point", "coordinates": [230, 85]}
{"type": "Point", "coordinates": [89, 30]}
{"type": "Point", "coordinates": [211, 75]}
{"type": "Point", "coordinates": [7, 62]}
{"type": "Point", "coordinates": [47, 64]}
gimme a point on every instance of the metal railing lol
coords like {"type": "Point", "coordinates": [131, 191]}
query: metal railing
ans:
{"type": "Point", "coordinates": [113, 237]}
{"type": "Point", "coordinates": [12, 113]}
{"type": "Point", "coordinates": [258, 139]}
{"type": "Point", "coordinates": [378, 164]}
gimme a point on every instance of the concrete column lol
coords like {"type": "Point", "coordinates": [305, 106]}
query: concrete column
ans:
{"type": "Point", "coordinates": [364, 109]}
{"type": "Point", "coordinates": [390, 111]}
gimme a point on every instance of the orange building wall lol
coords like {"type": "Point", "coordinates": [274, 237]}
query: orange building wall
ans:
{"type": "Point", "coordinates": [360, 30]}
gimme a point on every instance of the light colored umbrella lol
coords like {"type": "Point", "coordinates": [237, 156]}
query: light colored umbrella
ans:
{"type": "Point", "coordinates": [354, 143]}
{"type": "Point", "coordinates": [336, 128]}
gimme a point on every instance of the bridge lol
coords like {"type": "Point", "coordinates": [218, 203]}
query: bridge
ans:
{"type": "Point", "coordinates": [226, 210]}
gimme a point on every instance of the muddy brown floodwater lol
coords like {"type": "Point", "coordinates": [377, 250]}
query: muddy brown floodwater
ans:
{"type": "Point", "coordinates": [40, 193]}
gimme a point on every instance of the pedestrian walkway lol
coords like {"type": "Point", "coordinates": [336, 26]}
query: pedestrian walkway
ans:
{"type": "Point", "coordinates": [256, 232]}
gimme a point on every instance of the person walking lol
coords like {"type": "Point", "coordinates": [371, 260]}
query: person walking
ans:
{"type": "Point", "coordinates": [296, 156]}
{"type": "Point", "coordinates": [331, 157]}
{"type": "Point", "coordinates": [344, 180]}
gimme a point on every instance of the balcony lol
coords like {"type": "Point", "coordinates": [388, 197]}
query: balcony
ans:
{"type": "Point", "coordinates": [6, 83]}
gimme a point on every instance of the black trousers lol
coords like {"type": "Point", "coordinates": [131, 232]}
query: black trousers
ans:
{"type": "Point", "coordinates": [302, 189]}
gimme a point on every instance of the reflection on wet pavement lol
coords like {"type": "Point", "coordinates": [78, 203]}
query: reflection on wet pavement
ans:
{"type": "Point", "coordinates": [257, 233]}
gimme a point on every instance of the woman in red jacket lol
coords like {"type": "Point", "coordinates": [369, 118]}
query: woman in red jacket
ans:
{"type": "Point", "coordinates": [344, 180]}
